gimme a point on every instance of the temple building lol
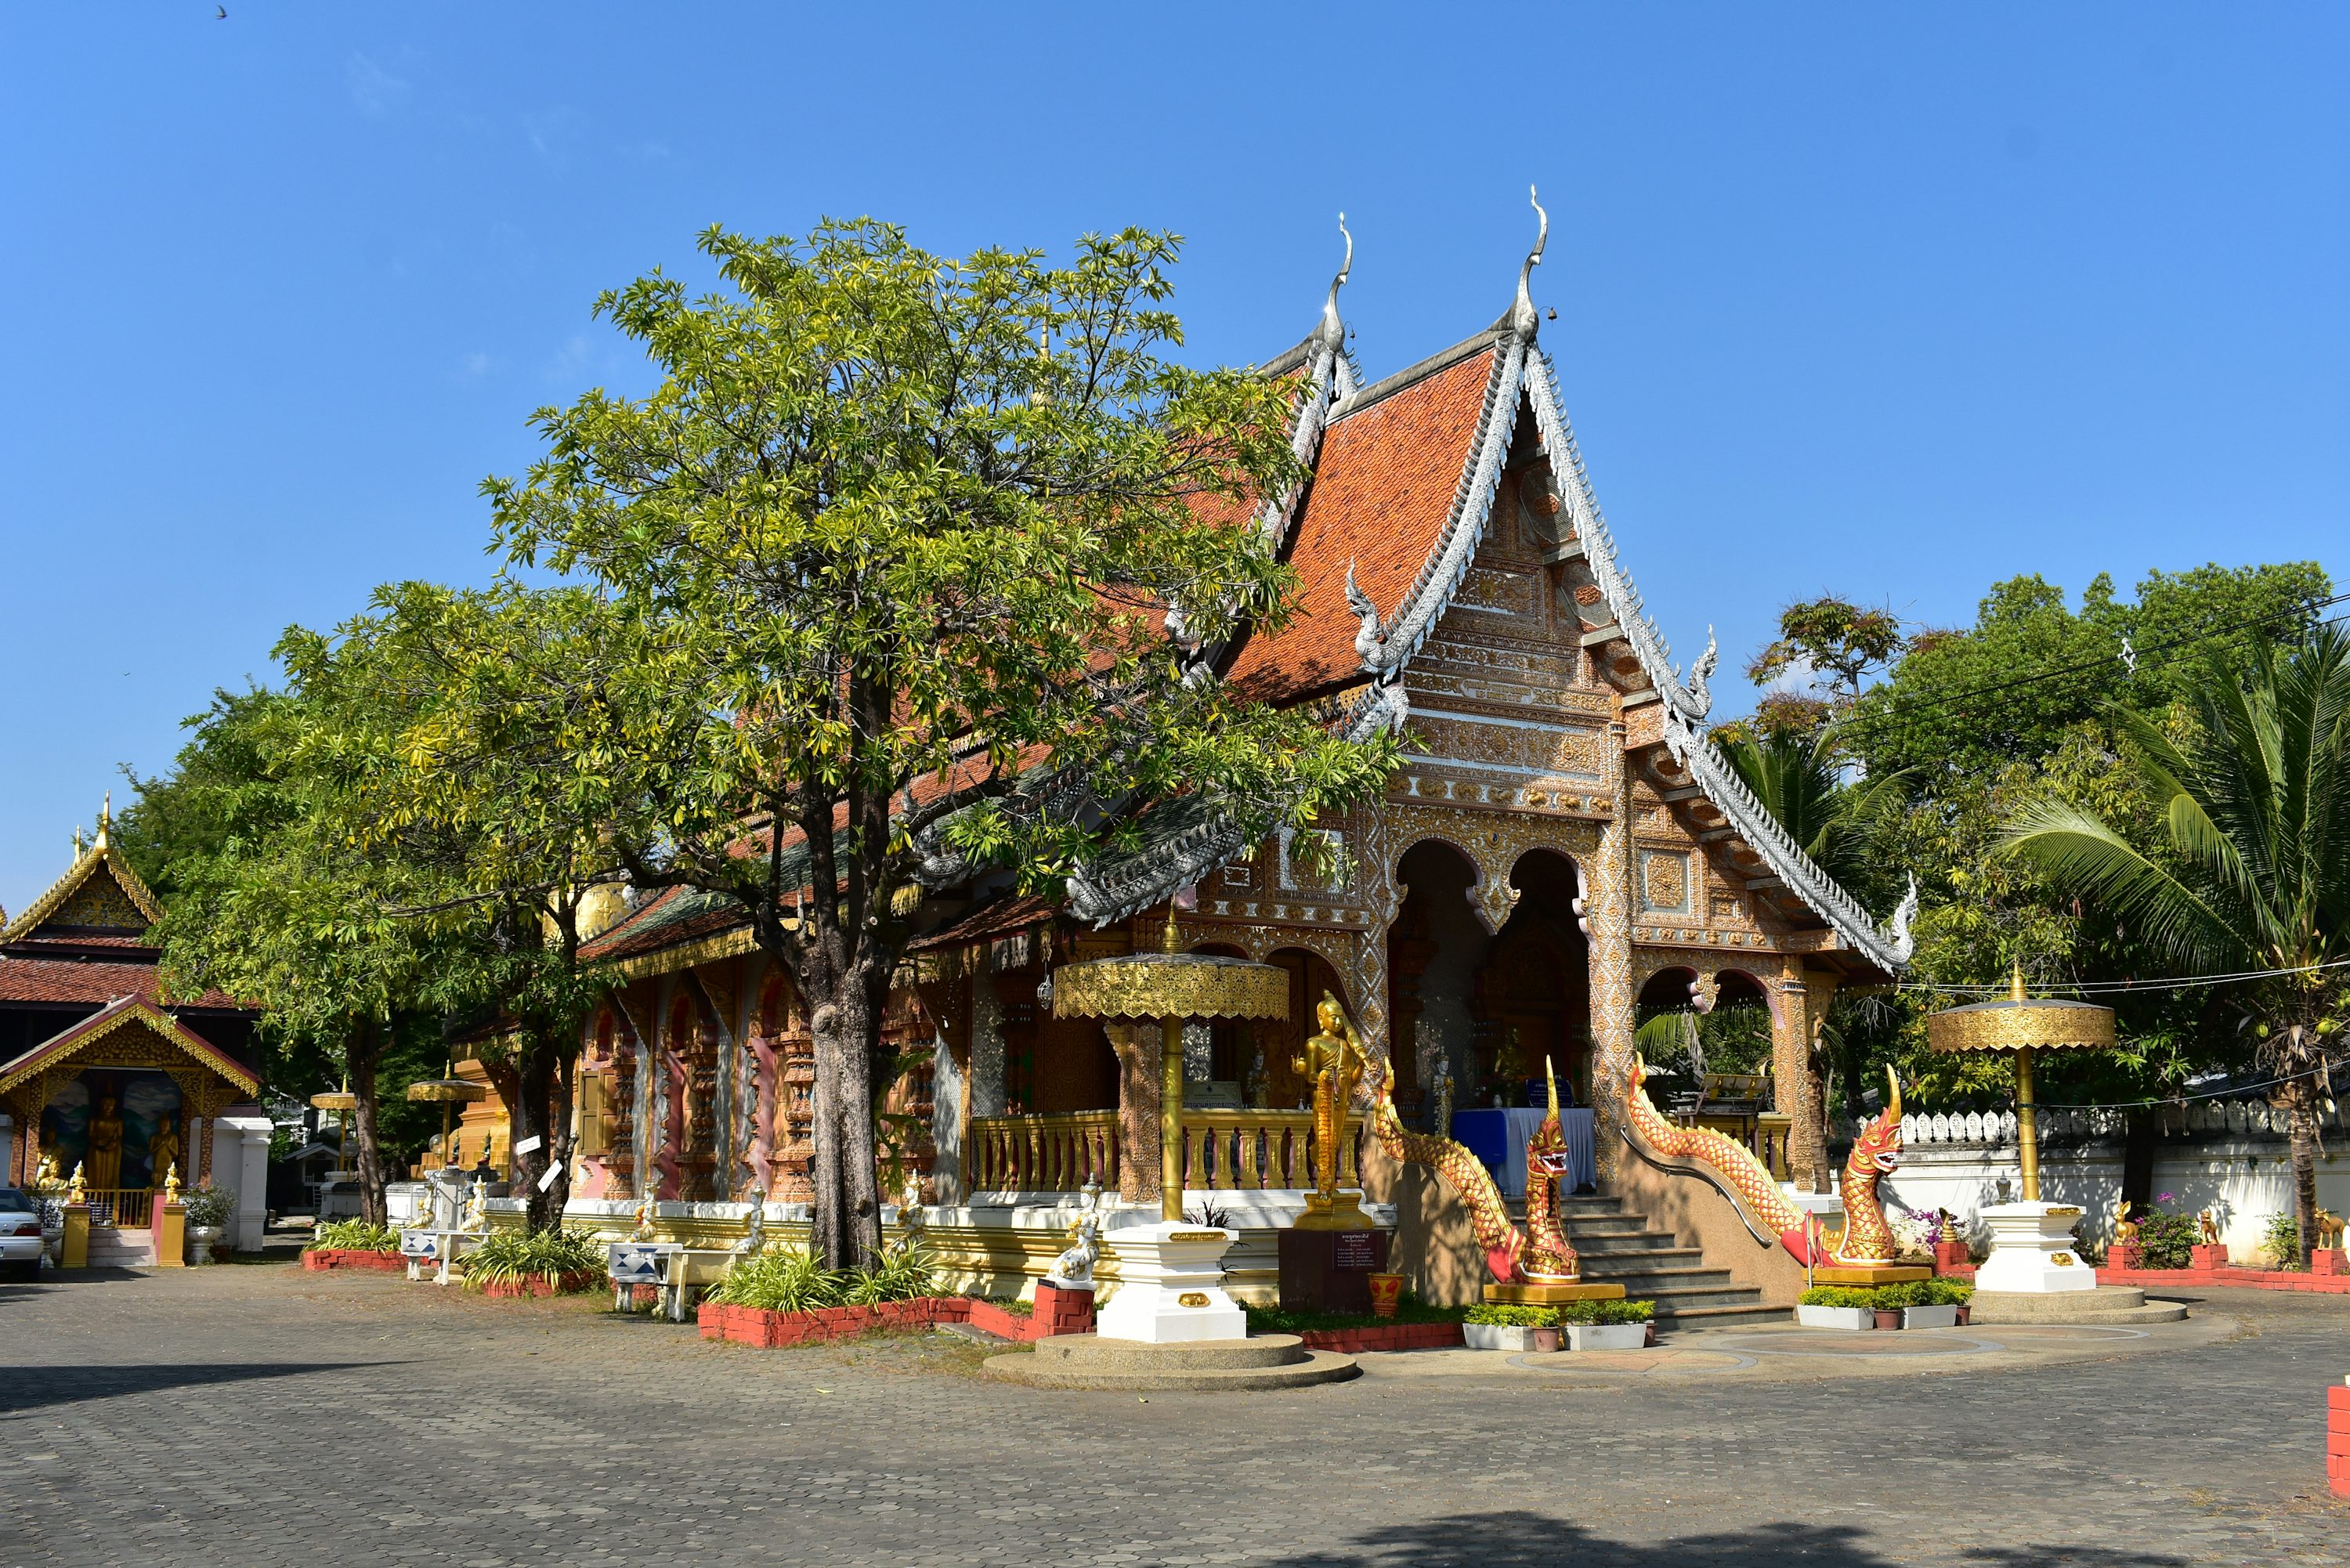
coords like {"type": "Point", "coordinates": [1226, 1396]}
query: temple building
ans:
{"type": "Point", "coordinates": [101, 1073]}
{"type": "Point", "coordinates": [1559, 843]}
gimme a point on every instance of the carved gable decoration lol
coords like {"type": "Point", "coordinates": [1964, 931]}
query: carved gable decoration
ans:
{"type": "Point", "coordinates": [1665, 881]}
{"type": "Point", "coordinates": [101, 903]}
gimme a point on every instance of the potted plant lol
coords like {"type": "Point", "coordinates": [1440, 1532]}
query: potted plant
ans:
{"type": "Point", "coordinates": [1546, 1340]}
{"type": "Point", "coordinates": [1608, 1325]}
{"type": "Point", "coordinates": [207, 1209]}
{"type": "Point", "coordinates": [1836, 1306]}
{"type": "Point", "coordinates": [1501, 1326]}
{"type": "Point", "coordinates": [1928, 1303]}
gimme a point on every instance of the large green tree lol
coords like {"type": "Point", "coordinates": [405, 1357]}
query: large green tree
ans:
{"type": "Point", "coordinates": [2254, 872]}
{"type": "Point", "coordinates": [883, 570]}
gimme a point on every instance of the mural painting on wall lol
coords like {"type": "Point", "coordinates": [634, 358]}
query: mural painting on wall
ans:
{"type": "Point", "coordinates": [113, 1125]}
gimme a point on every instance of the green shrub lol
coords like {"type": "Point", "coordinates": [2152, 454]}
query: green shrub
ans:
{"type": "Point", "coordinates": [2283, 1242]}
{"type": "Point", "coordinates": [1506, 1315]}
{"type": "Point", "coordinates": [352, 1236]}
{"type": "Point", "coordinates": [905, 1273]}
{"type": "Point", "coordinates": [779, 1279]}
{"type": "Point", "coordinates": [212, 1205]}
{"type": "Point", "coordinates": [1839, 1296]}
{"type": "Point", "coordinates": [1409, 1309]}
{"type": "Point", "coordinates": [1586, 1314]}
{"type": "Point", "coordinates": [2167, 1241]}
{"type": "Point", "coordinates": [1910, 1294]}
{"type": "Point", "coordinates": [1948, 1292]}
{"type": "Point", "coordinates": [548, 1255]}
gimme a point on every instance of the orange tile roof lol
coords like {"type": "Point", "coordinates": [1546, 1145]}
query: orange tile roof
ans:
{"type": "Point", "coordinates": [1381, 496]}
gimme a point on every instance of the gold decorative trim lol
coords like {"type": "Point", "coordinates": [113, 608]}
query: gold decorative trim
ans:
{"type": "Point", "coordinates": [43, 1058]}
{"type": "Point", "coordinates": [1171, 985]}
{"type": "Point", "coordinates": [99, 853]}
{"type": "Point", "coordinates": [2022, 1025]}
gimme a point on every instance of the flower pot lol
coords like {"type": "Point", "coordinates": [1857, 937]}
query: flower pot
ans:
{"type": "Point", "coordinates": [1387, 1290]}
{"type": "Point", "coordinates": [1930, 1317]}
{"type": "Point", "coordinates": [1606, 1335]}
{"type": "Point", "coordinates": [1545, 1339]}
{"type": "Point", "coordinates": [1964, 1312]}
{"type": "Point", "coordinates": [1888, 1317]}
{"type": "Point", "coordinates": [1835, 1317]}
{"type": "Point", "coordinates": [201, 1239]}
{"type": "Point", "coordinates": [1496, 1336]}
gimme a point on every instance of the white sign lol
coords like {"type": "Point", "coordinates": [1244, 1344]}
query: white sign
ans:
{"type": "Point", "coordinates": [546, 1177]}
{"type": "Point", "coordinates": [526, 1145]}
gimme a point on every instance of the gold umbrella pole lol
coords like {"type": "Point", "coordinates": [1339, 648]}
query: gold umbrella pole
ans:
{"type": "Point", "coordinates": [1170, 1119]}
{"type": "Point", "coordinates": [2027, 1129]}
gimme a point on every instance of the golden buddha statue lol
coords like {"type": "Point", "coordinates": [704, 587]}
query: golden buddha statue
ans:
{"type": "Point", "coordinates": [1331, 1062]}
{"type": "Point", "coordinates": [103, 1159]}
{"type": "Point", "coordinates": [162, 1151]}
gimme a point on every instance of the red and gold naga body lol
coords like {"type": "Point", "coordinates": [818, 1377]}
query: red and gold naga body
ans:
{"type": "Point", "coordinates": [1876, 1154]}
{"type": "Point", "coordinates": [1541, 1251]}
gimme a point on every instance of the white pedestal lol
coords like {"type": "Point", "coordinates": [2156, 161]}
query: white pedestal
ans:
{"type": "Point", "coordinates": [1170, 1285]}
{"type": "Point", "coordinates": [2032, 1249]}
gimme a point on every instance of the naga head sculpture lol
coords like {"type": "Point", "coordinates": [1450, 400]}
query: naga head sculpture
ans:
{"type": "Point", "coordinates": [1546, 1151]}
{"type": "Point", "coordinates": [1877, 1149]}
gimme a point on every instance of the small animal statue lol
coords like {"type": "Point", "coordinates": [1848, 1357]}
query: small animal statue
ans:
{"type": "Point", "coordinates": [1074, 1268]}
{"type": "Point", "coordinates": [2209, 1226]}
{"type": "Point", "coordinates": [2124, 1228]}
{"type": "Point", "coordinates": [2329, 1229]}
{"type": "Point", "coordinates": [477, 1207]}
{"type": "Point", "coordinates": [754, 1234]}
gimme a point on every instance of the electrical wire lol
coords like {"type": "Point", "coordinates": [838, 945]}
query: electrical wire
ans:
{"type": "Point", "coordinates": [2125, 987]}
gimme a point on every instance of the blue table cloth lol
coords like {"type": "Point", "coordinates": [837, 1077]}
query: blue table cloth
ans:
{"type": "Point", "coordinates": [1498, 1139]}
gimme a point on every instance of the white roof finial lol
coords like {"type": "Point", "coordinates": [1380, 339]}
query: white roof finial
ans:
{"type": "Point", "coordinates": [1334, 331]}
{"type": "Point", "coordinates": [1523, 321]}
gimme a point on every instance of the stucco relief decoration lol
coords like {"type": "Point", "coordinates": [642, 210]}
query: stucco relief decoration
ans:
{"type": "Point", "coordinates": [1665, 881]}
{"type": "Point", "coordinates": [1541, 511]}
{"type": "Point", "coordinates": [102, 902]}
{"type": "Point", "coordinates": [1504, 593]}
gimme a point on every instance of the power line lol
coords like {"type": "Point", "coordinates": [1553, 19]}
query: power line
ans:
{"type": "Point", "coordinates": [2123, 987]}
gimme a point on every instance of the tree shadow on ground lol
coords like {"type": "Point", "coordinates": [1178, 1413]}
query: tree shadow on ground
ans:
{"type": "Point", "coordinates": [1521, 1540]}
{"type": "Point", "coordinates": [26, 1388]}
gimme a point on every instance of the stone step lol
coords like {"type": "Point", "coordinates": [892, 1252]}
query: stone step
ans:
{"type": "Point", "coordinates": [1681, 1299]}
{"type": "Point", "coordinates": [1133, 1355]}
{"type": "Point", "coordinates": [1664, 1279]}
{"type": "Point", "coordinates": [1612, 1225]}
{"type": "Point", "coordinates": [1751, 1317]}
{"type": "Point", "coordinates": [1642, 1242]}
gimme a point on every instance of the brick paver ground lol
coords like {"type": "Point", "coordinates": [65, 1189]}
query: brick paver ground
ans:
{"type": "Point", "coordinates": [257, 1416]}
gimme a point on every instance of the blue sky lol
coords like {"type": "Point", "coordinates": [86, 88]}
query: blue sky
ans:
{"type": "Point", "coordinates": [1891, 301]}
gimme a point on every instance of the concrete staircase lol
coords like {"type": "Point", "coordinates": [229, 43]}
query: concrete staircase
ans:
{"type": "Point", "coordinates": [1618, 1246]}
{"type": "Point", "coordinates": [113, 1249]}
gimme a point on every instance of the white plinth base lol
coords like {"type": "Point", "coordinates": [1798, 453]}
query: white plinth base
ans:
{"type": "Point", "coordinates": [1170, 1285]}
{"type": "Point", "coordinates": [2032, 1249]}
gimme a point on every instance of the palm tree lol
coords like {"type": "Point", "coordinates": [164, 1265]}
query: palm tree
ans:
{"type": "Point", "coordinates": [1799, 777]}
{"type": "Point", "coordinates": [2253, 870]}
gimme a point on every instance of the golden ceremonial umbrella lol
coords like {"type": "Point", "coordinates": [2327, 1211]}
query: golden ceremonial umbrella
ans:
{"type": "Point", "coordinates": [2025, 1026]}
{"type": "Point", "coordinates": [1171, 985]}
{"type": "Point", "coordinates": [342, 1102]}
{"type": "Point", "coordinates": [448, 1091]}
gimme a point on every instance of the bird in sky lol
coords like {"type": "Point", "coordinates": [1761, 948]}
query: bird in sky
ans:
{"type": "Point", "coordinates": [220, 13]}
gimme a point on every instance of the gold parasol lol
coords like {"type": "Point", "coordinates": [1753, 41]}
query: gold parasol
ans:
{"type": "Point", "coordinates": [447, 1091]}
{"type": "Point", "coordinates": [342, 1102]}
{"type": "Point", "coordinates": [2025, 1026]}
{"type": "Point", "coordinates": [1171, 985]}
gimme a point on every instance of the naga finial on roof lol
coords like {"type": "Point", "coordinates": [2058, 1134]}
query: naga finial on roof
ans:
{"type": "Point", "coordinates": [1523, 321]}
{"type": "Point", "coordinates": [1333, 331]}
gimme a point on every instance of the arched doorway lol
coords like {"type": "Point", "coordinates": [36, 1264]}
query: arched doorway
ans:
{"type": "Point", "coordinates": [1435, 946]}
{"type": "Point", "coordinates": [1278, 1045]}
{"type": "Point", "coordinates": [1536, 989]}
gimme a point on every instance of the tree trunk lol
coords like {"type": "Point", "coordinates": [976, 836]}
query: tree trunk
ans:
{"type": "Point", "coordinates": [365, 1047]}
{"type": "Point", "coordinates": [847, 1230]}
{"type": "Point", "coordinates": [527, 1119]}
{"type": "Point", "coordinates": [2301, 1124]}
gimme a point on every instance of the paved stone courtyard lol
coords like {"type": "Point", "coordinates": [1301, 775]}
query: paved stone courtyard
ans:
{"type": "Point", "coordinates": [253, 1415]}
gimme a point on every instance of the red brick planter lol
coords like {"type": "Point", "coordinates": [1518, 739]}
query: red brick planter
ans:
{"type": "Point", "coordinates": [325, 1259]}
{"type": "Point", "coordinates": [2338, 1439]}
{"type": "Point", "coordinates": [1058, 1312]}
{"type": "Point", "coordinates": [1386, 1337]}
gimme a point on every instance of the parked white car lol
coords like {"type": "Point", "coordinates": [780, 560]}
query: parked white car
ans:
{"type": "Point", "coordinates": [20, 1235]}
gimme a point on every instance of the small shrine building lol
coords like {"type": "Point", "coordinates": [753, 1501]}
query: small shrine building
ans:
{"type": "Point", "coordinates": [1559, 843]}
{"type": "Point", "coordinates": [100, 1072]}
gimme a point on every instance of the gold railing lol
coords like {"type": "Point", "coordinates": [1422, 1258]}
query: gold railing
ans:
{"type": "Point", "coordinates": [1057, 1153]}
{"type": "Point", "coordinates": [124, 1208]}
{"type": "Point", "coordinates": [1771, 1130]}
{"type": "Point", "coordinates": [1250, 1150]}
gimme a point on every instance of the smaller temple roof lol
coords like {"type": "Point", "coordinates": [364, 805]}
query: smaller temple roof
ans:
{"type": "Point", "coordinates": [99, 900]}
{"type": "Point", "coordinates": [129, 1012]}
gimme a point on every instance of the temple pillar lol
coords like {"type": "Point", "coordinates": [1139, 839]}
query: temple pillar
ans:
{"type": "Point", "coordinates": [1139, 1069]}
{"type": "Point", "coordinates": [1798, 1007]}
{"type": "Point", "coordinates": [949, 1096]}
{"type": "Point", "coordinates": [1607, 921]}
